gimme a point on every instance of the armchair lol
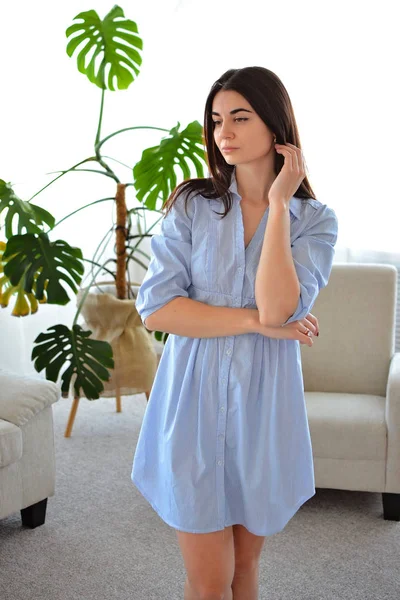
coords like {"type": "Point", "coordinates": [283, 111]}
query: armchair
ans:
{"type": "Point", "coordinates": [352, 384]}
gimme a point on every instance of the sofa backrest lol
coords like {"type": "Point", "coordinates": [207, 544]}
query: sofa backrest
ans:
{"type": "Point", "coordinates": [356, 314]}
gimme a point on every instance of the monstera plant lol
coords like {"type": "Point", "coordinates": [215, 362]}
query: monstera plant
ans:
{"type": "Point", "coordinates": [35, 267]}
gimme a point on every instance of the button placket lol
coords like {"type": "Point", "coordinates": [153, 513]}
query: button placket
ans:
{"type": "Point", "coordinates": [237, 299]}
{"type": "Point", "coordinates": [221, 431]}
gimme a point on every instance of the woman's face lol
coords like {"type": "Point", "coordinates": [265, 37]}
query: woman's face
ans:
{"type": "Point", "coordinates": [244, 130]}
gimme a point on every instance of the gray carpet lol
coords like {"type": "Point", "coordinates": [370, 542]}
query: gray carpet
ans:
{"type": "Point", "coordinates": [103, 541]}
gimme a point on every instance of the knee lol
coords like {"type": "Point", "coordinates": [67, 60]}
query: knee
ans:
{"type": "Point", "coordinates": [244, 567]}
{"type": "Point", "coordinates": [211, 594]}
{"type": "Point", "coordinates": [220, 589]}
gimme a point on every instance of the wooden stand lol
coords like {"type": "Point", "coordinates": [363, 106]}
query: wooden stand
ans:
{"type": "Point", "coordinates": [75, 404]}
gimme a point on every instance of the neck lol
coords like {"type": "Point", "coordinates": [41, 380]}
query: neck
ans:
{"type": "Point", "coordinates": [253, 184]}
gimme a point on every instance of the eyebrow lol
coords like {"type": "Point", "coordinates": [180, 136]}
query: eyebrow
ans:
{"type": "Point", "coordinates": [233, 112]}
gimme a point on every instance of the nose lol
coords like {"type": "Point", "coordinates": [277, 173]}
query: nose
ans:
{"type": "Point", "coordinates": [224, 132]}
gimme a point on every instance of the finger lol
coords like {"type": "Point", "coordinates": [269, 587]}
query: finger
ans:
{"type": "Point", "coordinates": [305, 339]}
{"type": "Point", "coordinates": [304, 324]}
{"type": "Point", "coordinates": [296, 157]}
{"type": "Point", "coordinates": [300, 158]}
{"type": "Point", "coordinates": [314, 320]}
{"type": "Point", "coordinates": [307, 330]}
{"type": "Point", "coordinates": [287, 154]}
{"type": "Point", "coordinates": [296, 163]}
{"type": "Point", "coordinates": [311, 326]}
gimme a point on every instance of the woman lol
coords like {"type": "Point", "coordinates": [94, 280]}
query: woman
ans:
{"type": "Point", "coordinates": [224, 453]}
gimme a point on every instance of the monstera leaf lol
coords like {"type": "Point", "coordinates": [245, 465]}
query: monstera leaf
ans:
{"type": "Point", "coordinates": [110, 39]}
{"type": "Point", "coordinates": [27, 255]}
{"type": "Point", "coordinates": [88, 358]}
{"type": "Point", "coordinates": [25, 304]}
{"type": "Point", "coordinates": [29, 216]}
{"type": "Point", "coordinates": [154, 174]}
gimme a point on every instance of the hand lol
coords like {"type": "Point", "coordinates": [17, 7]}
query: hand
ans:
{"type": "Point", "coordinates": [290, 176]}
{"type": "Point", "coordinates": [293, 331]}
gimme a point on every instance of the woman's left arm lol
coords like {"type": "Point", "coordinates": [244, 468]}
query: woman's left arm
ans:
{"type": "Point", "coordinates": [277, 287]}
{"type": "Point", "coordinates": [289, 277]}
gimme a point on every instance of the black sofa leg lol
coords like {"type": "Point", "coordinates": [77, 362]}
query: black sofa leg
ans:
{"type": "Point", "coordinates": [34, 515]}
{"type": "Point", "coordinates": [391, 506]}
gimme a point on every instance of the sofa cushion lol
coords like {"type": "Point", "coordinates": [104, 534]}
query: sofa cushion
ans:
{"type": "Point", "coordinates": [10, 443]}
{"type": "Point", "coordinates": [23, 396]}
{"type": "Point", "coordinates": [347, 426]}
{"type": "Point", "coordinates": [356, 314]}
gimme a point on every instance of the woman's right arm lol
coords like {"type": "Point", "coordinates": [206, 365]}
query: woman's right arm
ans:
{"type": "Point", "coordinates": [191, 318]}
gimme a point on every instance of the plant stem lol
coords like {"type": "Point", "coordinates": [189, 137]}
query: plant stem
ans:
{"type": "Point", "coordinates": [109, 234]}
{"type": "Point", "coordinates": [98, 265]}
{"type": "Point", "coordinates": [93, 171]}
{"type": "Point", "coordinates": [141, 236]}
{"type": "Point", "coordinates": [91, 158]}
{"type": "Point", "coordinates": [139, 262]}
{"type": "Point", "coordinates": [121, 234]}
{"type": "Point", "coordinates": [119, 162]}
{"type": "Point", "coordinates": [99, 144]}
{"type": "Point", "coordinates": [100, 118]}
{"type": "Point", "coordinates": [110, 172]}
{"type": "Point", "coordinates": [78, 209]}
{"type": "Point", "coordinates": [99, 158]}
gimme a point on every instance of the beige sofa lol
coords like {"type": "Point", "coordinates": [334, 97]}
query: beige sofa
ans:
{"type": "Point", "coordinates": [27, 457]}
{"type": "Point", "coordinates": [352, 384]}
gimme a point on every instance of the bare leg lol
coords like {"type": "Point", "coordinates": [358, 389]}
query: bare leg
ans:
{"type": "Point", "coordinates": [245, 585]}
{"type": "Point", "coordinates": [229, 594]}
{"type": "Point", "coordinates": [209, 561]}
{"type": "Point", "coordinates": [190, 595]}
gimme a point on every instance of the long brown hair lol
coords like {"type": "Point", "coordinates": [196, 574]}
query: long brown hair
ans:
{"type": "Point", "coordinates": [268, 97]}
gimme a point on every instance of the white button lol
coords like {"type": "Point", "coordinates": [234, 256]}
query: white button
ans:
{"type": "Point", "coordinates": [229, 351]}
{"type": "Point", "coordinates": [240, 270]}
{"type": "Point", "coordinates": [220, 462]}
{"type": "Point", "coordinates": [224, 381]}
{"type": "Point", "coordinates": [221, 437]}
{"type": "Point", "coordinates": [222, 409]}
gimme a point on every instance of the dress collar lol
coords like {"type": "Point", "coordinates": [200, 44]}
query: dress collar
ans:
{"type": "Point", "coordinates": [295, 204]}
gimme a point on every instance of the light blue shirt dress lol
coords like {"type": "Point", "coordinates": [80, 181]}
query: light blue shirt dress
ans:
{"type": "Point", "coordinates": [225, 436]}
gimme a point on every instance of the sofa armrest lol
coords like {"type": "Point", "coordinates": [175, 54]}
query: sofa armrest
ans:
{"type": "Point", "coordinates": [392, 414]}
{"type": "Point", "coordinates": [23, 396]}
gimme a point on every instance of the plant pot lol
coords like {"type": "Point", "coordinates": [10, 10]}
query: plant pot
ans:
{"type": "Point", "coordinates": [118, 322]}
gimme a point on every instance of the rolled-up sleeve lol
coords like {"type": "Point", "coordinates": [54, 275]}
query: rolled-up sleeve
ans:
{"type": "Point", "coordinates": [169, 272]}
{"type": "Point", "coordinates": [313, 252]}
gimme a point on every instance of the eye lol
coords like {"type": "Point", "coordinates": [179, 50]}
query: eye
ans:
{"type": "Point", "coordinates": [237, 119]}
